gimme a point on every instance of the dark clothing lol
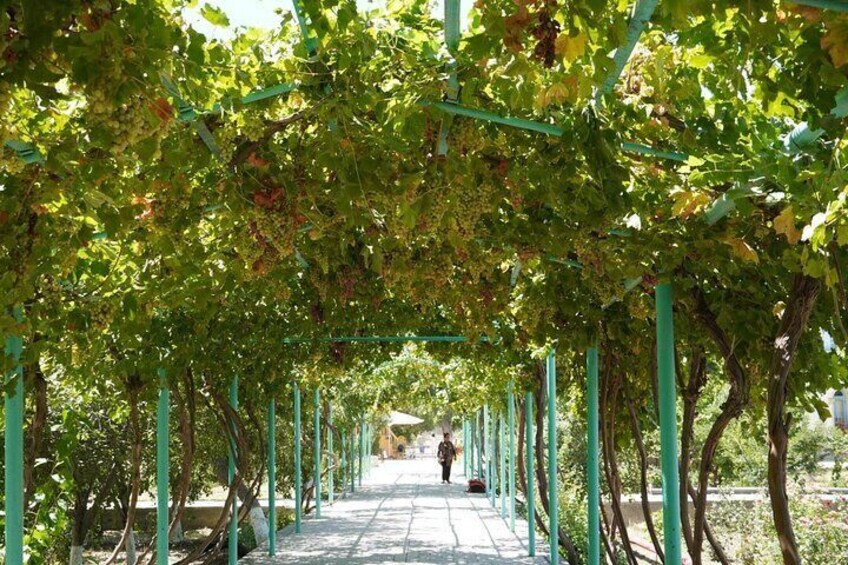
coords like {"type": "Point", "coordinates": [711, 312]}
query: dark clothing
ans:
{"type": "Point", "coordinates": [446, 455]}
{"type": "Point", "coordinates": [446, 467]}
{"type": "Point", "coordinates": [447, 452]}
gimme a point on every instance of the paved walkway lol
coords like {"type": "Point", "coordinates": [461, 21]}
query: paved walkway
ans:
{"type": "Point", "coordinates": [404, 514]}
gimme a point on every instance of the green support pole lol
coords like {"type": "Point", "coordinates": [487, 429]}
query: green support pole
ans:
{"type": "Point", "coordinates": [471, 448]}
{"type": "Point", "coordinates": [331, 458]}
{"type": "Point", "coordinates": [272, 478]}
{"type": "Point", "coordinates": [361, 447]}
{"type": "Point", "coordinates": [531, 474]}
{"type": "Point", "coordinates": [344, 461]}
{"type": "Point", "coordinates": [352, 461]}
{"type": "Point", "coordinates": [232, 545]}
{"type": "Point", "coordinates": [366, 461]}
{"type": "Point", "coordinates": [593, 466]}
{"type": "Point", "coordinates": [493, 462]}
{"type": "Point", "coordinates": [368, 450]}
{"type": "Point", "coordinates": [14, 449]}
{"type": "Point", "coordinates": [668, 424]}
{"type": "Point", "coordinates": [316, 452]}
{"type": "Point", "coordinates": [552, 460]}
{"type": "Point", "coordinates": [488, 449]}
{"type": "Point", "coordinates": [464, 453]}
{"type": "Point", "coordinates": [502, 462]}
{"type": "Point", "coordinates": [298, 471]}
{"type": "Point", "coordinates": [470, 454]}
{"type": "Point", "coordinates": [162, 470]}
{"type": "Point", "coordinates": [510, 405]}
{"type": "Point", "coordinates": [471, 444]}
{"type": "Point", "coordinates": [479, 438]}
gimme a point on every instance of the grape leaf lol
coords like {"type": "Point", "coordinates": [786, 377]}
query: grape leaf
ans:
{"type": "Point", "coordinates": [785, 224]}
{"type": "Point", "coordinates": [214, 15]}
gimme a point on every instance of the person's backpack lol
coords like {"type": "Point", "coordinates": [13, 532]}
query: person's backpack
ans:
{"type": "Point", "coordinates": [476, 485]}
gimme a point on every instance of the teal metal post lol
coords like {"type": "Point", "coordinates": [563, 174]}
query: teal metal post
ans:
{"type": "Point", "coordinates": [272, 478]}
{"type": "Point", "coordinates": [361, 447]}
{"type": "Point", "coordinates": [593, 466]}
{"type": "Point", "coordinates": [331, 457]}
{"type": "Point", "coordinates": [352, 461]}
{"type": "Point", "coordinates": [162, 465]}
{"type": "Point", "coordinates": [479, 437]}
{"type": "Point", "coordinates": [14, 449]}
{"type": "Point", "coordinates": [502, 463]}
{"type": "Point", "coordinates": [470, 448]}
{"type": "Point", "coordinates": [344, 461]}
{"type": "Point", "coordinates": [298, 471]}
{"type": "Point", "coordinates": [472, 445]}
{"type": "Point", "coordinates": [510, 401]}
{"type": "Point", "coordinates": [668, 424]}
{"type": "Point", "coordinates": [368, 449]}
{"type": "Point", "coordinates": [531, 474]}
{"type": "Point", "coordinates": [488, 449]}
{"type": "Point", "coordinates": [465, 447]}
{"type": "Point", "coordinates": [316, 452]}
{"type": "Point", "coordinates": [232, 545]}
{"type": "Point", "coordinates": [366, 460]}
{"type": "Point", "coordinates": [493, 459]}
{"type": "Point", "coordinates": [552, 460]}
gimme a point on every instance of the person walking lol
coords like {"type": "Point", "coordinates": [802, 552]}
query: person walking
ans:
{"type": "Point", "coordinates": [446, 455]}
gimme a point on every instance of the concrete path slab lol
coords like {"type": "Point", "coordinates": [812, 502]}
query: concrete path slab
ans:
{"type": "Point", "coordinates": [403, 514]}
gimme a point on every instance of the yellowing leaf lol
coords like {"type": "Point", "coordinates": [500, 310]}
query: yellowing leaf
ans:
{"type": "Point", "coordinates": [742, 250]}
{"type": "Point", "coordinates": [842, 235]}
{"type": "Point", "coordinates": [835, 41]}
{"type": "Point", "coordinates": [688, 203]}
{"type": "Point", "coordinates": [570, 48]}
{"type": "Point", "coordinates": [785, 224]}
{"type": "Point", "coordinates": [559, 92]}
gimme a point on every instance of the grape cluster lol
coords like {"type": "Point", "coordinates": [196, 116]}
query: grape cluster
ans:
{"type": "Point", "coordinates": [99, 315]}
{"type": "Point", "coordinates": [10, 162]}
{"type": "Point", "coordinates": [271, 237]}
{"type": "Point", "coordinates": [226, 138]}
{"type": "Point", "coordinates": [546, 33]}
{"type": "Point", "coordinates": [251, 125]}
{"type": "Point", "coordinates": [127, 123]}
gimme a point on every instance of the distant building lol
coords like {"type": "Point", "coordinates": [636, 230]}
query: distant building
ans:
{"type": "Point", "coordinates": [837, 401]}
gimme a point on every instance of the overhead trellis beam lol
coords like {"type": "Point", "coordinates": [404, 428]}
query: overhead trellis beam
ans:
{"type": "Point", "coordinates": [269, 92]}
{"type": "Point", "coordinates": [631, 147]}
{"type": "Point", "coordinates": [458, 110]}
{"type": "Point", "coordinates": [836, 5]}
{"type": "Point", "coordinates": [26, 152]}
{"type": "Point", "coordinates": [452, 43]}
{"type": "Point", "coordinates": [641, 16]}
{"type": "Point", "coordinates": [548, 129]}
{"type": "Point", "coordinates": [187, 113]}
{"type": "Point", "coordinates": [382, 339]}
{"type": "Point", "coordinates": [309, 42]}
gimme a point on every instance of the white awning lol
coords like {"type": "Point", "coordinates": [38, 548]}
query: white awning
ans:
{"type": "Point", "coordinates": [401, 419]}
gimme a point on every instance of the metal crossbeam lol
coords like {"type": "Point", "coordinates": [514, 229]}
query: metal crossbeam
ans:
{"type": "Point", "coordinates": [548, 129]}
{"type": "Point", "coordinates": [641, 15]}
{"type": "Point", "coordinates": [631, 147]}
{"type": "Point", "coordinates": [308, 41]}
{"type": "Point", "coordinates": [835, 5]}
{"type": "Point", "coordinates": [451, 42]}
{"type": "Point", "coordinates": [381, 339]}
{"type": "Point", "coordinates": [25, 151]}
